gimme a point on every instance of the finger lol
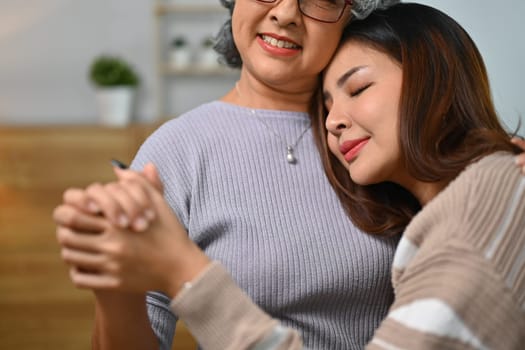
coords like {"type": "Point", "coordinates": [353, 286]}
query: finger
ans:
{"type": "Point", "coordinates": [139, 187]}
{"type": "Point", "coordinates": [129, 207]}
{"type": "Point", "coordinates": [85, 261]}
{"type": "Point", "coordinates": [151, 173]}
{"type": "Point", "coordinates": [156, 197]}
{"type": "Point", "coordinates": [109, 207]}
{"type": "Point", "coordinates": [78, 241]}
{"type": "Point", "coordinates": [90, 280]}
{"type": "Point", "coordinates": [79, 199]}
{"type": "Point", "coordinates": [518, 141]}
{"type": "Point", "coordinates": [73, 218]}
{"type": "Point", "coordinates": [143, 211]}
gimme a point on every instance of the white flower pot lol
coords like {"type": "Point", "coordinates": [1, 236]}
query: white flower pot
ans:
{"type": "Point", "coordinates": [115, 105]}
{"type": "Point", "coordinates": [208, 58]}
{"type": "Point", "coordinates": [181, 57]}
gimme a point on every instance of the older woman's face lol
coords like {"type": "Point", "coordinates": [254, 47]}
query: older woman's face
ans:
{"type": "Point", "coordinates": [279, 44]}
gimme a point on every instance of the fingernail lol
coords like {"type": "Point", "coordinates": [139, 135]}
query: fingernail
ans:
{"type": "Point", "coordinates": [149, 214]}
{"type": "Point", "coordinates": [93, 207]}
{"type": "Point", "coordinates": [140, 224]}
{"type": "Point", "coordinates": [118, 164]}
{"type": "Point", "coordinates": [123, 221]}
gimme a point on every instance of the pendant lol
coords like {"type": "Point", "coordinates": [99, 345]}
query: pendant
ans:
{"type": "Point", "coordinates": [289, 155]}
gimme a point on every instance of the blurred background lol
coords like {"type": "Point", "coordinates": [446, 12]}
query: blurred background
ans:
{"type": "Point", "coordinates": [53, 135]}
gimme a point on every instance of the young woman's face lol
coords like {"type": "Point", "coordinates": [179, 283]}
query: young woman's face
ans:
{"type": "Point", "coordinates": [362, 88]}
{"type": "Point", "coordinates": [279, 45]}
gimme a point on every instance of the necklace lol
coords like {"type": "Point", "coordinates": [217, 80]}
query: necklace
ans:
{"type": "Point", "coordinates": [290, 148]}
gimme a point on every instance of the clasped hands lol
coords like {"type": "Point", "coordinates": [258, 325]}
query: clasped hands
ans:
{"type": "Point", "coordinates": [123, 236]}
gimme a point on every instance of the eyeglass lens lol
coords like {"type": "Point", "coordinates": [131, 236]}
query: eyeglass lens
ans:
{"type": "Point", "coordinates": [321, 10]}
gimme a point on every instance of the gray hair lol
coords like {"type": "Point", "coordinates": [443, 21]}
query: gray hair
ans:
{"type": "Point", "coordinates": [229, 55]}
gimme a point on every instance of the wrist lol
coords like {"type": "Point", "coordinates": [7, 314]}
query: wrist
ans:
{"type": "Point", "coordinates": [186, 272]}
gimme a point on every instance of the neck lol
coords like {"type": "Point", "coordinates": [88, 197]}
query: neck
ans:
{"type": "Point", "coordinates": [252, 93]}
{"type": "Point", "coordinates": [426, 191]}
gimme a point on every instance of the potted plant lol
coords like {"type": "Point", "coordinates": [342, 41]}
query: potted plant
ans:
{"type": "Point", "coordinates": [208, 57]}
{"type": "Point", "coordinates": [116, 82]}
{"type": "Point", "coordinates": [180, 54]}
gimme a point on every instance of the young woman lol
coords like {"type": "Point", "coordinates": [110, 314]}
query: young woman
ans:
{"type": "Point", "coordinates": [245, 179]}
{"type": "Point", "coordinates": [413, 141]}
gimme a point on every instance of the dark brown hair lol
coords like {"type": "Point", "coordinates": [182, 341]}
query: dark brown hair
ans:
{"type": "Point", "coordinates": [447, 117]}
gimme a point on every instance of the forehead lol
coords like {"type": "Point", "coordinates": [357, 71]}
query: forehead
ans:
{"type": "Point", "coordinates": [355, 61]}
{"type": "Point", "coordinates": [353, 53]}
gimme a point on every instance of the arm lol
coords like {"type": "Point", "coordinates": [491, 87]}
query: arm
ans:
{"type": "Point", "coordinates": [111, 261]}
{"type": "Point", "coordinates": [119, 272]}
{"type": "Point", "coordinates": [458, 286]}
{"type": "Point", "coordinates": [121, 318]}
{"type": "Point", "coordinates": [121, 321]}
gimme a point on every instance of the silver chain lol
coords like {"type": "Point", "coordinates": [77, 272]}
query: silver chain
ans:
{"type": "Point", "coordinates": [290, 157]}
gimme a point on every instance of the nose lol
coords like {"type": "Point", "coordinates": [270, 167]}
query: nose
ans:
{"type": "Point", "coordinates": [286, 12]}
{"type": "Point", "coordinates": [337, 122]}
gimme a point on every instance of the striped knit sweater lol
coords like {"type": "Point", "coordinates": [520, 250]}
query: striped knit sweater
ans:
{"type": "Point", "coordinates": [458, 275]}
{"type": "Point", "coordinates": [276, 227]}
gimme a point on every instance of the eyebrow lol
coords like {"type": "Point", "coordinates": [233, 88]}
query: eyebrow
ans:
{"type": "Point", "coordinates": [347, 75]}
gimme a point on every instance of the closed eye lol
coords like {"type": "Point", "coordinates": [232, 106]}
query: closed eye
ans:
{"type": "Point", "coordinates": [357, 92]}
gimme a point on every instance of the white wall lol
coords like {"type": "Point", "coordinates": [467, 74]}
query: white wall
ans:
{"type": "Point", "coordinates": [497, 28]}
{"type": "Point", "coordinates": [46, 47]}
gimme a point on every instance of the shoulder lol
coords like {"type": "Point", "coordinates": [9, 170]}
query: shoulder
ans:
{"type": "Point", "coordinates": [495, 175]}
{"type": "Point", "coordinates": [496, 164]}
{"type": "Point", "coordinates": [190, 127]}
{"type": "Point", "coordinates": [200, 115]}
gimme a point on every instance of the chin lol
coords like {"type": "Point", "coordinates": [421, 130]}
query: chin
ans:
{"type": "Point", "coordinates": [362, 177]}
{"type": "Point", "coordinates": [359, 179]}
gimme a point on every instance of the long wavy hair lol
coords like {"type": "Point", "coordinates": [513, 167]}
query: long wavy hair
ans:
{"type": "Point", "coordinates": [447, 116]}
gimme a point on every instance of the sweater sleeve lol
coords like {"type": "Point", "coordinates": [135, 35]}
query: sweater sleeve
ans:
{"type": "Point", "coordinates": [462, 289]}
{"type": "Point", "coordinates": [221, 316]}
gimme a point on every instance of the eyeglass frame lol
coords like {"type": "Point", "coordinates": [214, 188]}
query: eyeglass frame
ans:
{"type": "Point", "coordinates": [347, 3]}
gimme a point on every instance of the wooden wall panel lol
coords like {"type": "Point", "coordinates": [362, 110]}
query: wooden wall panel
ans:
{"type": "Point", "coordinates": [39, 307]}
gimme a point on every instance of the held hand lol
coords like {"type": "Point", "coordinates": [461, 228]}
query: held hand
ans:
{"type": "Point", "coordinates": [162, 258]}
{"type": "Point", "coordinates": [128, 205]}
{"type": "Point", "coordinates": [520, 159]}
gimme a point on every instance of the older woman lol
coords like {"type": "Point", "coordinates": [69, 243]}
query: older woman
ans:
{"type": "Point", "coordinates": [245, 179]}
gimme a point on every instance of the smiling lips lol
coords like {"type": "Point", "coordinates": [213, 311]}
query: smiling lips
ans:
{"type": "Point", "coordinates": [351, 148]}
{"type": "Point", "coordinates": [277, 45]}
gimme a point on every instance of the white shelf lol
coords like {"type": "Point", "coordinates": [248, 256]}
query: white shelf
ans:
{"type": "Point", "coordinates": [173, 18]}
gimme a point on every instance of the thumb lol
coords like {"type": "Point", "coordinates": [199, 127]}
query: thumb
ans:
{"type": "Point", "coordinates": [152, 175]}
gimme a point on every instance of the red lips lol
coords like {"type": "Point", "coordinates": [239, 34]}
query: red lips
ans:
{"type": "Point", "coordinates": [351, 148]}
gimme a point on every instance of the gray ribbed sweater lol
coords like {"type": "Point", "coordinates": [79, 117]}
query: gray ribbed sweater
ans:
{"type": "Point", "coordinates": [278, 228]}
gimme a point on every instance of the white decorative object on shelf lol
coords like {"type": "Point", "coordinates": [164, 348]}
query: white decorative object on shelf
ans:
{"type": "Point", "coordinates": [180, 53]}
{"type": "Point", "coordinates": [208, 58]}
{"type": "Point", "coordinates": [115, 105]}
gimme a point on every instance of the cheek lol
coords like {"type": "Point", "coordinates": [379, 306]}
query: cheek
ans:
{"type": "Point", "coordinates": [333, 145]}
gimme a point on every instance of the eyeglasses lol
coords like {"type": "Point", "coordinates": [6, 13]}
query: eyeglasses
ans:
{"type": "Point", "coordinates": [328, 11]}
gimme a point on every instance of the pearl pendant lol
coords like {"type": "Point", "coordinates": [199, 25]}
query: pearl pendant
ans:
{"type": "Point", "coordinates": [289, 155]}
